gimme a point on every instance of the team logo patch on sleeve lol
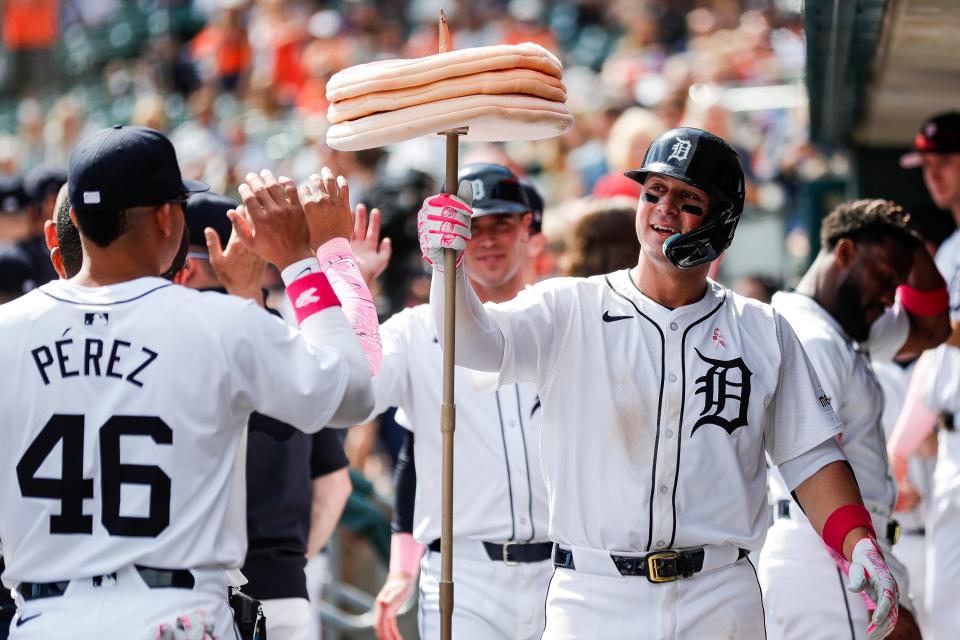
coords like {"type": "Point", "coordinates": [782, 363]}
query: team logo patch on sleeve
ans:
{"type": "Point", "coordinates": [726, 393]}
{"type": "Point", "coordinates": [823, 400]}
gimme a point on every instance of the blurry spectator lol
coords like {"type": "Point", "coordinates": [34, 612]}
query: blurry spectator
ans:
{"type": "Point", "coordinates": [616, 184]}
{"type": "Point", "coordinates": [29, 36]}
{"type": "Point", "coordinates": [15, 222]}
{"type": "Point", "coordinates": [603, 240]}
{"type": "Point", "coordinates": [201, 149]}
{"type": "Point", "coordinates": [42, 186]}
{"type": "Point", "coordinates": [16, 274]}
{"type": "Point", "coordinates": [150, 111]}
{"type": "Point", "coordinates": [222, 50]}
{"type": "Point", "coordinates": [629, 138]}
{"type": "Point", "coordinates": [65, 127]}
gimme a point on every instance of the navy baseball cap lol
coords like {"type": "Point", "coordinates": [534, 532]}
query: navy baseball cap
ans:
{"type": "Point", "coordinates": [16, 272]}
{"type": "Point", "coordinates": [13, 195]}
{"type": "Point", "coordinates": [209, 210]}
{"type": "Point", "coordinates": [44, 182]}
{"type": "Point", "coordinates": [126, 166]}
{"type": "Point", "coordinates": [938, 134]}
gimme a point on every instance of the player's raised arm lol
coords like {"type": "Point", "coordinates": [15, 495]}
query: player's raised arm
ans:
{"type": "Point", "coordinates": [444, 223]}
{"type": "Point", "coordinates": [272, 224]}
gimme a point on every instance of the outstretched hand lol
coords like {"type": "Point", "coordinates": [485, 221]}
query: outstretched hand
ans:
{"type": "Point", "coordinates": [326, 203]}
{"type": "Point", "coordinates": [372, 254]}
{"type": "Point", "coordinates": [238, 268]}
{"type": "Point", "coordinates": [271, 221]}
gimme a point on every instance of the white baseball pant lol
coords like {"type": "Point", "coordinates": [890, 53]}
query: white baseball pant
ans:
{"type": "Point", "coordinates": [598, 602]}
{"type": "Point", "coordinates": [123, 609]}
{"type": "Point", "coordinates": [492, 600]}
{"type": "Point", "coordinates": [805, 592]}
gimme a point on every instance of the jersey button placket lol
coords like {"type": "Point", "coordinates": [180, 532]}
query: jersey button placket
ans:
{"type": "Point", "coordinates": [666, 458]}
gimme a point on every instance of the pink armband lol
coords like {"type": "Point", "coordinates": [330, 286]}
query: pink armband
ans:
{"type": "Point", "coordinates": [310, 294]}
{"type": "Point", "coordinates": [844, 520]}
{"type": "Point", "coordinates": [339, 264]}
{"type": "Point", "coordinates": [405, 553]}
{"type": "Point", "coordinates": [923, 303]}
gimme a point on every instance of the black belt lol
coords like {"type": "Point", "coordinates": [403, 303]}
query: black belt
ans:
{"type": "Point", "coordinates": [153, 578]}
{"type": "Point", "coordinates": [660, 566]}
{"type": "Point", "coordinates": [891, 535]}
{"type": "Point", "coordinates": [511, 552]}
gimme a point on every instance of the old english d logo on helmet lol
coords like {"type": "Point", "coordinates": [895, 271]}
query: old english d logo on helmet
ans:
{"type": "Point", "coordinates": [707, 162]}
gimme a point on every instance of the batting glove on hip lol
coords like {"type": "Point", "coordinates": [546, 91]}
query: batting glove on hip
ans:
{"type": "Point", "coordinates": [443, 223]}
{"type": "Point", "coordinates": [869, 572]}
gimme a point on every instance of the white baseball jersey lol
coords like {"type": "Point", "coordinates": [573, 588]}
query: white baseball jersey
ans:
{"type": "Point", "coordinates": [122, 420]}
{"type": "Point", "coordinates": [943, 394]}
{"type": "Point", "coordinates": [948, 263]}
{"type": "Point", "coordinates": [499, 493]}
{"type": "Point", "coordinates": [656, 420]}
{"type": "Point", "coordinates": [844, 370]}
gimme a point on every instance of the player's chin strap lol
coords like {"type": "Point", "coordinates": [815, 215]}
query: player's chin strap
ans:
{"type": "Point", "coordinates": [697, 247]}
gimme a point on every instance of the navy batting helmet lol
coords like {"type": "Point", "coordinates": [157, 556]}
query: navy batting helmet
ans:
{"type": "Point", "coordinates": [709, 163]}
{"type": "Point", "coordinates": [495, 189]}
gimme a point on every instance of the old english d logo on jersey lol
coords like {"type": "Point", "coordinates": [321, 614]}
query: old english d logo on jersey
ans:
{"type": "Point", "coordinates": [726, 393]}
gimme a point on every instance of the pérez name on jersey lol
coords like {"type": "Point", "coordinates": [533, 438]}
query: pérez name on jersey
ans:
{"type": "Point", "coordinates": [111, 358]}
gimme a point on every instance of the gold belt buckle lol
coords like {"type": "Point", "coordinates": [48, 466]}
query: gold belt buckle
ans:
{"type": "Point", "coordinates": [653, 571]}
{"type": "Point", "coordinates": [893, 532]}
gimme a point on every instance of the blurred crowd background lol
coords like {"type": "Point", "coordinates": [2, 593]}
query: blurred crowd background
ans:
{"type": "Point", "coordinates": [239, 85]}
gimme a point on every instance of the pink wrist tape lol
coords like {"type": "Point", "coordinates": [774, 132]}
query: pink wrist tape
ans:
{"type": "Point", "coordinates": [844, 520]}
{"type": "Point", "coordinates": [405, 553]}
{"type": "Point", "coordinates": [310, 294]}
{"type": "Point", "coordinates": [340, 266]}
{"type": "Point", "coordinates": [923, 303]}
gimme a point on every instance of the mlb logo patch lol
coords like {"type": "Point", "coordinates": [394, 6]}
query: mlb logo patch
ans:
{"type": "Point", "coordinates": [96, 319]}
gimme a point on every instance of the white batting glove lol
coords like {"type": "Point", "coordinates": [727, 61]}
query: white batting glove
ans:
{"type": "Point", "coordinates": [869, 572]}
{"type": "Point", "coordinates": [194, 626]}
{"type": "Point", "coordinates": [443, 223]}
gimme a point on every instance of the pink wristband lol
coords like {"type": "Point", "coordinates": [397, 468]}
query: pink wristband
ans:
{"type": "Point", "coordinates": [923, 303]}
{"type": "Point", "coordinates": [310, 294]}
{"type": "Point", "coordinates": [844, 520]}
{"type": "Point", "coordinates": [405, 553]}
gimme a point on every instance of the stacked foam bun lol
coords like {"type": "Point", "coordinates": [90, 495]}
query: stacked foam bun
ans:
{"type": "Point", "coordinates": [501, 92]}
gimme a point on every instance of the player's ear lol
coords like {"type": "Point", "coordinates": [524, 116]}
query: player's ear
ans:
{"type": "Point", "coordinates": [163, 216]}
{"type": "Point", "coordinates": [57, 260]}
{"type": "Point", "coordinates": [845, 252]}
{"type": "Point", "coordinates": [50, 234]}
{"type": "Point", "coordinates": [525, 221]}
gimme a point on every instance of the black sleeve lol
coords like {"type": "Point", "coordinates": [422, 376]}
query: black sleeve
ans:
{"type": "Point", "coordinates": [326, 453]}
{"type": "Point", "coordinates": [406, 480]}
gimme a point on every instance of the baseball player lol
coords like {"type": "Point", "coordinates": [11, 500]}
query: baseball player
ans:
{"type": "Point", "coordinates": [500, 547]}
{"type": "Point", "coordinates": [844, 314]}
{"type": "Point", "coordinates": [662, 391]}
{"type": "Point", "coordinates": [120, 510]}
{"type": "Point", "coordinates": [936, 149]}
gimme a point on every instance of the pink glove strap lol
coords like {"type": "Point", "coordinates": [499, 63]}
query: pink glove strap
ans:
{"type": "Point", "coordinates": [340, 266]}
{"type": "Point", "coordinates": [844, 520]}
{"type": "Point", "coordinates": [310, 294]}
{"type": "Point", "coordinates": [923, 303]}
{"type": "Point", "coordinates": [405, 553]}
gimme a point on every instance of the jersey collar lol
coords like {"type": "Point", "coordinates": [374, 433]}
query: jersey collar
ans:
{"type": "Point", "coordinates": [622, 283]}
{"type": "Point", "coordinates": [68, 291]}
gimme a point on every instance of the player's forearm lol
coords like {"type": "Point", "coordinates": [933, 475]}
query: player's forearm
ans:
{"type": "Point", "coordinates": [827, 490]}
{"type": "Point", "coordinates": [329, 328]}
{"type": "Point", "coordinates": [916, 421]}
{"type": "Point", "coordinates": [330, 494]}
{"type": "Point", "coordinates": [340, 266]}
{"type": "Point", "coordinates": [479, 341]}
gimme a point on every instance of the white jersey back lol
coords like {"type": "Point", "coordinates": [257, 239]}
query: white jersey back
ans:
{"type": "Point", "coordinates": [656, 420]}
{"type": "Point", "coordinates": [123, 417]}
{"type": "Point", "coordinates": [847, 377]}
{"type": "Point", "coordinates": [499, 493]}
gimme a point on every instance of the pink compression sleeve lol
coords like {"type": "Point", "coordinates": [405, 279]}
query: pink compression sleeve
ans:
{"type": "Point", "coordinates": [405, 553]}
{"type": "Point", "coordinates": [915, 421]}
{"type": "Point", "coordinates": [340, 266]}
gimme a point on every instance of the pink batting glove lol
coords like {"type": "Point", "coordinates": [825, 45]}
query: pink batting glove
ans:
{"type": "Point", "coordinates": [443, 223]}
{"type": "Point", "coordinates": [869, 573]}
